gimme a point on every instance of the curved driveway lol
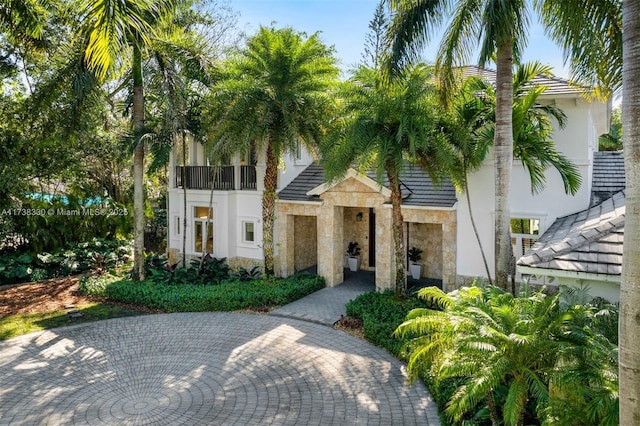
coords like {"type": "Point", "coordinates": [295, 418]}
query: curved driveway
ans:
{"type": "Point", "coordinates": [205, 368]}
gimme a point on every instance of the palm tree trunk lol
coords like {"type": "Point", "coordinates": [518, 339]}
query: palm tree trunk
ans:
{"type": "Point", "coordinates": [138, 167]}
{"type": "Point", "coordinates": [493, 409]}
{"type": "Point", "coordinates": [398, 238]}
{"type": "Point", "coordinates": [503, 152]}
{"type": "Point", "coordinates": [475, 230]}
{"type": "Point", "coordinates": [269, 209]}
{"type": "Point", "coordinates": [630, 285]}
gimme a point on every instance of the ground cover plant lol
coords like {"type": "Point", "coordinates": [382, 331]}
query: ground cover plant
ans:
{"type": "Point", "coordinates": [228, 295]}
{"type": "Point", "coordinates": [97, 254]}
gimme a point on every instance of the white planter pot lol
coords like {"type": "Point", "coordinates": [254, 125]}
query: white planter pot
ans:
{"type": "Point", "coordinates": [354, 263]}
{"type": "Point", "coordinates": [416, 271]}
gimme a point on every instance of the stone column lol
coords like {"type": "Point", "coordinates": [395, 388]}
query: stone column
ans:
{"type": "Point", "coordinates": [385, 273]}
{"type": "Point", "coordinates": [286, 244]}
{"type": "Point", "coordinates": [330, 250]}
{"type": "Point", "coordinates": [449, 272]}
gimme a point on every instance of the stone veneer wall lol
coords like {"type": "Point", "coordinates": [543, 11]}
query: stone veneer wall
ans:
{"type": "Point", "coordinates": [306, 242]}
{"type": "Point", "coordinates": [436, 222]}
{"type": "Point", "coordinates": [428, 238]}
{"type": "Point", "coordinates": [358, 232]}
{"type": "Point", "coordinates": [336, 225]}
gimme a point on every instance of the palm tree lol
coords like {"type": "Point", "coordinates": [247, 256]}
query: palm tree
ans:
{"type": "Point", "coordinates": [533, 144]}
{"type": "Point", "coordinates": [500, 28]}
{"type": "Point", "coordinates": [117, 31]}
{"type": "Point", "coordinates": [630, 284]}
{"type": "Point", "coordinates": [276, 92]}
{"type": "Point", "coordinates": [383, 124]}
{"type": "Point", "coordinates": [515, 353]}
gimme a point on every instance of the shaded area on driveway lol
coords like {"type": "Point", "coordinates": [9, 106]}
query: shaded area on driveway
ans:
{"type": "Point", "coordinates": [205, 368]}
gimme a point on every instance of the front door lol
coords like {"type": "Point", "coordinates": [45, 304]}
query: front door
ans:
{"type": "Point", "coordinates": [372, 238]}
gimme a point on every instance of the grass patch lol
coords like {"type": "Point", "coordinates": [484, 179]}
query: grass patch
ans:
{"type": "Point", "coordinates": [17, 325]}
{"type": "Point", "coordinates": [227, 296]}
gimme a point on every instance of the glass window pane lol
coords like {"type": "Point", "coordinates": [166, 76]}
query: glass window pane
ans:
{"type": "Point", "coordinates": [210, 238]}
{"type": "Point", "coordinates": [197, 237]}
{"type": "Point", "coordinates": [201, 212]}
{"type": "Point", "coordinates": [248, 231]}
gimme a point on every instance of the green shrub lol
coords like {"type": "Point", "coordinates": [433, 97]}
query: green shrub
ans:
{"type": "Point", "coordinates": [97, 255]}
{"type": "Point", "coordinates": [227, 296]}
{"type": "Point", "coordinates": [381, 314]}
{"type": "Point", "coordinates": [95, 285]}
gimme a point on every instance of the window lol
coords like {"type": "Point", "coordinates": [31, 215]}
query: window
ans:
{"type": "Point", "coordinates": [248, 232]}
{"type": "Point", "coordinates": [203, 230]}
{"type": "Point", "coordinates": [298, 150]}
{"type": "Point", "coordinates": [524, 234]}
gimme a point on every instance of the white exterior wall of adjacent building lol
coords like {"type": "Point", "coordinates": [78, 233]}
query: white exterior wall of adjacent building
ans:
{"type": "Point", "coordinates": [578, 140]}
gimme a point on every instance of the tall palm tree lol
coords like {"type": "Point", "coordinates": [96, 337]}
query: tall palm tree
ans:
{"type": "Point", "coordinates": [500, 29]}
{"type": "Point", "coordinates": [276, 92]}
{"type": "Point", "coordinates": [117, 34]}
{"type": "Point", "coordinates": [630, 284]}
{"type": "Point", "coordinates": [533, 145]}
{"type": "Point", "coordinates": [384, 123]}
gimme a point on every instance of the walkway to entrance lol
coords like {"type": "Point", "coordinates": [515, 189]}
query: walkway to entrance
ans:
{"type": "Point", "coordinates": [326, 306]}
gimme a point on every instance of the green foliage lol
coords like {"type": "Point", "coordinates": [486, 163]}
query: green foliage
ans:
{"type": "Point", "coordinates": [95, 285]}
{"type": "Point", "coordinates": [97, 255]}
{"type": "Point", "coordinates": [414, 254]}
{"type": "Point", "coordinates": [243, 274]}
{"type": "Point", "coordinates": [227, 296]}
{"type": "Point", "coordinates": [529, 357]}
{"type": "Point", "coordinates": [612, 141]}
{"type": "Point", "coordinates": [381, 314]}
{"type": "Point", "coordinates": [353, 249]}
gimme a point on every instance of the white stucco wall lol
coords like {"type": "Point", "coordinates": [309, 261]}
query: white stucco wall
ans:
{"type": "Point", "coordinates": [577, 141]}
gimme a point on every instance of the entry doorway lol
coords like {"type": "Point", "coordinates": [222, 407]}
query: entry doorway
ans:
{"type": "Point", "coordinates": [372, 238]}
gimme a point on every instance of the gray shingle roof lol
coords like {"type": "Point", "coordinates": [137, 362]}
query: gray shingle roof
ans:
{"type": "Point", "coordinates": [589, 241]}
{"type": "Point", "coordinates": [417, 187]}
{"type": "Point", "coordinates": [608, 175]}
{"type": "Point", "coordinates": [555, 85]}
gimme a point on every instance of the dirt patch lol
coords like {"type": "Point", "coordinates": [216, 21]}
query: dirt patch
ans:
{"type": "Point", "coordinates": [49, 295]}
{"type": "Point", "coordinates": [42, 296]}
{"type": "Point", "coordinates": [351, 326]}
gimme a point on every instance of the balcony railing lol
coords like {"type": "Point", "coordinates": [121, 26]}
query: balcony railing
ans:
{"type": "Point", "coordinates": [203, 177]}
{"type": "Point", "coordinates": [248, 177]}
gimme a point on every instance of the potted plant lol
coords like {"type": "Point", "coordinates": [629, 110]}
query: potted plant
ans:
{"type": "Point", "coordinates": [353, 251]}
{"type": "Point", "coordinates": [415, 254]}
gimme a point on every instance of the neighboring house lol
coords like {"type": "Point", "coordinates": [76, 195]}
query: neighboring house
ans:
{"type": "Point", "coordinates": [585, 248]}
{"type": "Point", "coordinates": [316, 220]}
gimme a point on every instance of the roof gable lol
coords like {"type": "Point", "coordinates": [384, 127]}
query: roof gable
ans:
{"type": "Point", "coordinates": [589, 241]}
{"type": "Point", "coordinates": [351, 174]}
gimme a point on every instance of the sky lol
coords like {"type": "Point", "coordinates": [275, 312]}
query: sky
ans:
{"type": "Point", "coordinates": [344, 24]}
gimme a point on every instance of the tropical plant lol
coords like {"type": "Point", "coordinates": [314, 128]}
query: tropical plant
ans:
{"type": "Point", "coordinates": [353, 249]}
{"type": "Point", "coordinates": [114, 31]}
{"type": "Point", "coordinates": [513, 355]}
{"type": "Point", "coordinates": [414, 254]}
{"type": "Point", "coordinates": [612, 141]}
{"type": "Point", "coordinates": [384, 122]}
{"type": "Point", "coordinates": [500, 28]}
{"type": "Point", "coordinates": [275, 93]}
{"type": "Point", "coordinates": [629, 289]}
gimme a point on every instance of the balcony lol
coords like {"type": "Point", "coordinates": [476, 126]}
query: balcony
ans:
{"type": "Point", "coordinates": [222, 178]}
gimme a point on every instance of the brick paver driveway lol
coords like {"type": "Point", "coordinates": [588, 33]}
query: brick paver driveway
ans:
{"type": "Point", "coordinates": [204, 368]}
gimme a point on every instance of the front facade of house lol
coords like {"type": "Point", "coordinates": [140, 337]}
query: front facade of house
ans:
{"type": "Point", "coordinates": [316, 220]}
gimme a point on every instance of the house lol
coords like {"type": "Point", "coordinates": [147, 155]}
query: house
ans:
{"type": "Point", "coordinates": [316, 220]}
{"type": "Point", "coordinates": [585, 248]}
